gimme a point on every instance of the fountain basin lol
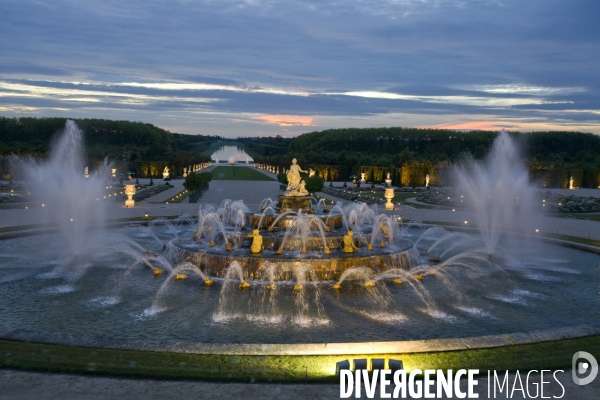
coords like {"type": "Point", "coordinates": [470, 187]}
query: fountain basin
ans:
{"type": "Point", "coordinates": [214, 262]}
{"type": "Point", "coordinates": [542, 286]}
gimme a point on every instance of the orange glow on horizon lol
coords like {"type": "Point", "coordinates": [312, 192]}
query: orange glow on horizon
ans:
{"type": "Point", "coordinates": [474, 125]}
{"type": "Point", "coordinates": [286, 120]}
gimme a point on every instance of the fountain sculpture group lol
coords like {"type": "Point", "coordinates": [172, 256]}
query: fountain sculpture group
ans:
{"type": "Point", "coordinates": [293, 234]}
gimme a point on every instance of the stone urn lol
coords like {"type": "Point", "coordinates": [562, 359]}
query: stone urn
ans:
{"type": "Point", "coordinates": [129, 191]}
{"type": "Point", "coordinates": [389, 195]}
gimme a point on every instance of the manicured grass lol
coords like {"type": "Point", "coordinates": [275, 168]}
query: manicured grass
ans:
{"type": "Point", "coordinates": [567, 238]}
{"type": "Point", "coordinates": [427, 206]}
{"type": "Point", "coordinates": [178, 197]}
{"type": "Point", "coordinates": [163, 365]}
{"type": "Point", "coordinates": [38, 226]}
{"type": "Point", "coordinates": [398, 196]}
{"type": "Point", "coordinates": [14, 206]}
{"type": "Point", "coordinates": [231, 173]}
{"type": "Point", "coordinates": [24, 227]}
{"type": "Point", "coordinates": [575, 239]}
{"type": "Point", "coordinates": [582, 216]}
{"type": "Point", "coordinates": [401, 197]}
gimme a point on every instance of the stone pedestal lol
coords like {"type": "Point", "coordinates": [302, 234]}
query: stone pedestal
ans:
{"type": "Point", "coordinates": [129, 191]}
{"type": "Point", "coordinates": [388, 182]}
{"type": "Point", "coordinates": [389, 195]}
{"type": "Point", "coordinates": [294, 203]}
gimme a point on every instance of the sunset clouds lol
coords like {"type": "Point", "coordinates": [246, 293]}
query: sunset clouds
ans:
{"type": "Point", "coordinates": [265, 67]}
{"type": "Point", "coordinates": [286, 120]}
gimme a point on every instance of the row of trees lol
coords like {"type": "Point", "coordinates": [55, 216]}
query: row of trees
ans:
{"type": "Point", "coordinates": [132, 146]}
{"type": "Point", "coordinates": [409, 154]}
{"type": "Point", "coordinates": [336, 153]}
{"type": "Point", "coordinates": [387, 144]}
{"type": "Point", "coordinates": [267, 146]}
{"type": "Point", "coordinates": [34, 135]}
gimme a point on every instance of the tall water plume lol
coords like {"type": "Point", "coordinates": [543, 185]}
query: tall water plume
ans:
{"type": "Point", "coordinates": [72, 201]}
{"type": "Point", "coordinates": [498, 191]}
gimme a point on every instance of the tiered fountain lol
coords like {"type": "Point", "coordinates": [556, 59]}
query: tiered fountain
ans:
{"type": "Point", "coordinates": [291, 233]}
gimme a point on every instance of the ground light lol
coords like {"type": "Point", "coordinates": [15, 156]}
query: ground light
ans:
{"type": "Point", "coordinates": [285, 368]}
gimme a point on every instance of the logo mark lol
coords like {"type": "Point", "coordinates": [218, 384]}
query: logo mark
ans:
{"type": "Point", "coordinates": [583, 367]}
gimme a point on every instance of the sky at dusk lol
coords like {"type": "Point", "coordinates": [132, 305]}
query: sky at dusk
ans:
{"type": "Point", "coordinates": [268, 67]}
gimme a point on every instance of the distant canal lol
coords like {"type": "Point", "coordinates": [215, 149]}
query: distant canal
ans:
{"type": "Point", "coordinates": [231, 155]}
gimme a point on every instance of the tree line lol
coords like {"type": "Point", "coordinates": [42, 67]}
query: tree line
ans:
{"type": "Point", "coordinates": [549, 155]}
{"type": "Point", "coordinates": [147, 149]}
{"type": "Point", "coordinates": [140, 147]}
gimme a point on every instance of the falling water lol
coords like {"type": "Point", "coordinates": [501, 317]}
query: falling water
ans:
{"type": "Point", "coordinates": [306, 283]}
{"type": "Point", "coordinates": [498, 190]}
{"type": "Point", "coordinates": [180, 269]}
{"type": "Point", "coordinates": [72, 202]}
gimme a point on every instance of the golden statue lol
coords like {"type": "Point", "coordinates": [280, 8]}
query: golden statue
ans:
{"type": "Point", "coordinates": [349, 246]}
{"type": "Point", "coordinates": [257, 242]}
{"type": "Point", "coordinates": [293, 176]}
{"type": "Point", "coordinates": [385, 230]}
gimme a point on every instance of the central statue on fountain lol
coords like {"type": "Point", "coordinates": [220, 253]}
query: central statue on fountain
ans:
{"type": "Point", "coordinates": [296, 197]}
{"type": "Point", "coordinates": [296, 186]}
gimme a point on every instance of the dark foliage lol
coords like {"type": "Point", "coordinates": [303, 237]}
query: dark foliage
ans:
{"type": "Point", "coordinates": [197, 182]}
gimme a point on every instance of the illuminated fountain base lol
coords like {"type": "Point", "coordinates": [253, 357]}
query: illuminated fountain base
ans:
{"type": "Point", "coordinates": [294, 203]}
{"type": "Point", "coordinates": [326, 267]}
{"type": "Point", "coordinates": [288, 239]}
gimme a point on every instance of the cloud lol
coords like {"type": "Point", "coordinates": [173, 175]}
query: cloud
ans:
{"type": "Point", "coordinates": [525, 89]}
{"type": "Point", "coordinates": [286, 120]}
{"type": "Point", "coordinates": [221, 66]}
{"type": "Point", "coordinates": [461, 100]}
{"type": "Point", "coordinates": [23, 90]}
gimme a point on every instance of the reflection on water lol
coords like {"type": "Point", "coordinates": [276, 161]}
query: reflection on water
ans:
{"type": "Point", "coordinates": [231, 155]}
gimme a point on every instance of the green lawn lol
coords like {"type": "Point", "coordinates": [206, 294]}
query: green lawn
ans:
{"type": "Point", "coordinates": [235, 173]}
{"type": "Point", "coordinates": [582, 216]}
{"type": "Point", "coordinates": [151, 364]}
{"type": "Point", "coordinates": [398, 196]}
